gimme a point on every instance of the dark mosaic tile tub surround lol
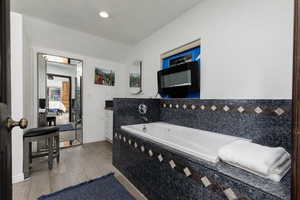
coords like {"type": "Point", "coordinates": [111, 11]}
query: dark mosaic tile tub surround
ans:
{"type": "Point", "coordinates": [157, 180]}
{"type": "Point", "coordinates": [264, 126]}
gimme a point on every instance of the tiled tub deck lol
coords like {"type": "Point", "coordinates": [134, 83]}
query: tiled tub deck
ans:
{"type": "Point", "coordinates": [163, 173]}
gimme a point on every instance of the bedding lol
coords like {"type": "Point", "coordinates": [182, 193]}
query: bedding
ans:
{"type": "Point", "coordinates": [55, 106]}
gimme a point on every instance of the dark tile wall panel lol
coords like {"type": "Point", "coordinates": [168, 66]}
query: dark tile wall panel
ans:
{"type": "Point", "coordinates": [264, 126]}
{"type": "Point", "coordinates": [126, 113]}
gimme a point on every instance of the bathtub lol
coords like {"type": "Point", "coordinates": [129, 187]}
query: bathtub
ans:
{"type": "Point", "coordinates": [197, 143]}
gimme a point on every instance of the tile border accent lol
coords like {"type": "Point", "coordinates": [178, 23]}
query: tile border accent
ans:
{"type": "Point", "coordinates": [187, 171]}
{"type": "Point", "coordinates": [277, 111]}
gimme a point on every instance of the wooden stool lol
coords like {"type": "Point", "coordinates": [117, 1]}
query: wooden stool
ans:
{"type": "Point", "coordinates": [51, 135]}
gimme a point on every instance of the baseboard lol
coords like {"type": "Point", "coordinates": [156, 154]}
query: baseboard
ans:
{"type": "Point", "coordinates": [133, 186]}
{"type": "Point", "coordinates": [18, 178]}
{"type": "Point", "coordinates": [109, 140]}
{"type": "Point", "coordinates": [92, 140]}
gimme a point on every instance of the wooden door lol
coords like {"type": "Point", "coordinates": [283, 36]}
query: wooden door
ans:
{"type": "Point", "coordinates": [6, 123]}
{"type": "Point", "coordinates": [66, 94]}
{"type": "Point", "coordinates": [5, 134]}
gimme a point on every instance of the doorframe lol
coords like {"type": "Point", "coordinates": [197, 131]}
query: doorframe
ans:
{"type": "Point", "coordinates": [296, 105]}
{"type": "Point", "coordinates": [70, 91]}
{"type": "Point", "coordinates": [5, 94]}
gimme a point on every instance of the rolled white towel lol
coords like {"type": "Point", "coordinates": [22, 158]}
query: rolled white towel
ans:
{"type": "Point", "coordinates": [281, 164]}
{"type": "Point", "coordinates": [279, 176]}
{"type": "Point", "coordinates": [253, 157]}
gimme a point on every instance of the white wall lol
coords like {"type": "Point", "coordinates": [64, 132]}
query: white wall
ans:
{"type": "Point", "coordinates": [246, 48]}
{"type": "Point", "coordinates": [94, 96]}
{"type": "Point", "coordinates": [27, 79]}
{"type": "Point", "coordinates": [17, 94]}
{"type": "Point", "coordinates": [53, 39]}
{"type": "Point", "coordinates": [30, 36]}
{"type": "Point", "coordinates": [54, 36]}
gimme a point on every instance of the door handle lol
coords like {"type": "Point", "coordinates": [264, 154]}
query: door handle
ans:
{"type": "Point", "coordinates": [10, 123]}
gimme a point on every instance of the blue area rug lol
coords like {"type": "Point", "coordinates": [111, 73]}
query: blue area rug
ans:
{"type": "Point", "coordinates": [66, 127]}
{"type": "Point", "coordinates": [103, 188]}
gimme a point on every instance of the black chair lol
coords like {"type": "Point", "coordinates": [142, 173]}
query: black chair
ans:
{"type": "Point", "coordinates": [49, 134]}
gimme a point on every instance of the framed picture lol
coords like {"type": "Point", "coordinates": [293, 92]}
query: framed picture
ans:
{"type": "Point", "coordinates": [104, 77]}
{"type": "Point", "coordinates": [135, 80]}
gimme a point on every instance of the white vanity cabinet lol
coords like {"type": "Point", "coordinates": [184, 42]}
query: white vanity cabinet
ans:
{"type": "Point", "coordinates": [108, 125]}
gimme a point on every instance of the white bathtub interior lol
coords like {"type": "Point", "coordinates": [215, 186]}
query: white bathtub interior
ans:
{"type": "Point", "coordinates": [197, 143]}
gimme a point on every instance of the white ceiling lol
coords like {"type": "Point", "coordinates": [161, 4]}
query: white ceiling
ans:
{"type": "Point", "coordinates": [131, 20]}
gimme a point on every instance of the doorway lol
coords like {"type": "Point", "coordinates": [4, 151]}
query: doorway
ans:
{"type": "Point", "coordinates": [60, 97]}
{"type": "Point", "coordinates": [59, 91]}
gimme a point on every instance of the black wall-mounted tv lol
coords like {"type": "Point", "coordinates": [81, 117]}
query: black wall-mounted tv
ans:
{"type": "Point", "coordinates": [178, 81]}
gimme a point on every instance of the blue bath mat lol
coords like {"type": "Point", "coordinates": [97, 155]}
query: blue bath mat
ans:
{"type": "Point", "coordinates": [65, 127]}
{"type": "Point", "coordinates": [103, 188]}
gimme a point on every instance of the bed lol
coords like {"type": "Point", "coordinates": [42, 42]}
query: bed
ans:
{"type": "Point", "coordinates": [56, 107]}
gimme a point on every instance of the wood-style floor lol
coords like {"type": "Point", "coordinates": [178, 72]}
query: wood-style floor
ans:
{"type": "Point", "coordinates": [77, 164]}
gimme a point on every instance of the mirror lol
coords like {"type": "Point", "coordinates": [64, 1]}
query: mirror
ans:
{"type": "Point", "coordinates": [135, 78]}
{"type": "Point", "coordinates": [60, 96]}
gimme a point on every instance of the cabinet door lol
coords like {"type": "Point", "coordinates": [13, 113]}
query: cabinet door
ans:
{"type": "Point", "coordinates": [109, 124]}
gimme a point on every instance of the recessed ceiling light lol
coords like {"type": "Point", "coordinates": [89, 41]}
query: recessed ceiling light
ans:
{"type": "Point", "coordinates": [104, 14]}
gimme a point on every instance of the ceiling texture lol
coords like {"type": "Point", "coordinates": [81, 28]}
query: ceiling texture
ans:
{"type": "Point", "coordinates": [130, 20]}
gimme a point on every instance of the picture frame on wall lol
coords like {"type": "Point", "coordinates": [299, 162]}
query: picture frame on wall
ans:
{"type": "Point", "coordinates": [104, 77]}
